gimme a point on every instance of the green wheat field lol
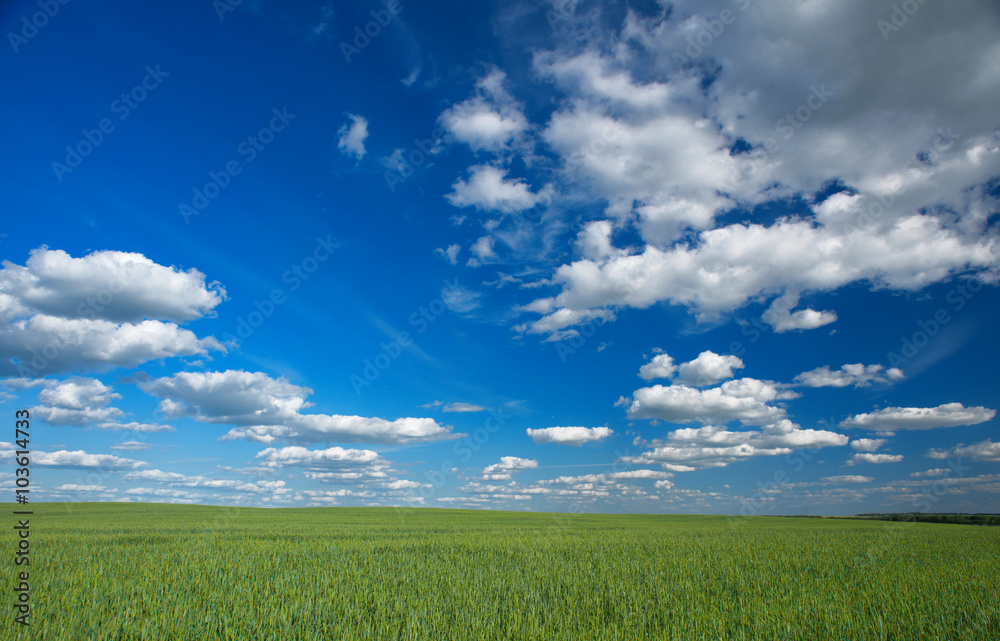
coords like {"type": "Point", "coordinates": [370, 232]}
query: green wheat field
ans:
{"type": "Point", "coordinates": [145, 571]}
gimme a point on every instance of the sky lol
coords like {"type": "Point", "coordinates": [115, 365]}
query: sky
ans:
{"type": "Point", "coordinates": [728, 256]}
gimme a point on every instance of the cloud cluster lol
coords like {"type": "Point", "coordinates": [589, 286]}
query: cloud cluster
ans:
{"type": "Point", "coordinates": [508, 465]}
{"type": "Point", "coordinates": [671, 135]}
{"type": "Point", "coordinates": [267, 410]}
{"type": "Point", "coordinates": [855, 374]}
{"type": "Point", "coordinates": [105, 309]}
{"type": "Point", "coordinates": [711, 446]}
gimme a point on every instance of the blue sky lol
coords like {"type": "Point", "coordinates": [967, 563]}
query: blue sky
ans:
{"type": "Point", "coordinates": [732, 257]}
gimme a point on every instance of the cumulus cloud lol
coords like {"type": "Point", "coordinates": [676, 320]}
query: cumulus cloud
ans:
{"type": "Point", "coordinates": [660, 366]}
{"type": "Point", "coordinates": [670, 155]}
{"type": "Point", "coordinates": [982, 451]}
{"type": "Point", "coordinates": [893, 419]}
{"type": "Point", "coordinates": [867, 444]}
{"type": "Point", "coordinates": [267, 409]}
{"type": "Point", "coordinates": [351, 137]}
{"type": "Point", "coordinates": [200, 481]}
{"type": "Point", "coordinates": [488, 188]}
{"type": "Point", "coordinates": [865, 457]}
{"type": "Point", "coordinates": [74, 459]}
{"type": "Point", "coordinates": [711, 446]}
{"type": "Point", "coordinates": [855, 374]}
{"type": "Point", "coordinates": [745, 400]}
{"type": "Point", "coordinates": [707, 369]}
{"type": "Point", "coordinates": [568, 435]}
{"type": "Point", "coordinates": [60, 313]}
{"type": "Point", "coordinates": [508, 465]}
{"type": "Point", "coordinates": [491, 120]}
{"type": "Point", "coordinates": [782, 319]}
{"type": "Point", "coordinates": [315, 459]}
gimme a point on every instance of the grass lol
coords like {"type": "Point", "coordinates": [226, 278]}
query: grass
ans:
{"type": "Point", "coordinates": [140, 571]}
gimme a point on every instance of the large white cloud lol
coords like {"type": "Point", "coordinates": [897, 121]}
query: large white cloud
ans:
{"type": "Point", "coordinates": [267, 410]}
{"type": "Point", "coordinates": [105, 309]}
{"type": "Point", "coordinates": [745, 399]}
{"type": "Point", "coordinates": [568, 435]}
{"type": "Point", "coordinates": [891, 419]}
{"type": "Point", "coordinates": [648, 123]}
{"type": "Point", "coordinates": [712, 446]}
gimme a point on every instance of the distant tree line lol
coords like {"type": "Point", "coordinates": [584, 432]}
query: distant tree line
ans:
{"type": "Point", "coordinates": [925, 517]}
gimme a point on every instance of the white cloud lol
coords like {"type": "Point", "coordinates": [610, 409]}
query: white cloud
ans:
{"type": "Point", "coordinates": [865, 457]}
{"type": "Point", "coordinates": [711, 446]}
{"type": "Point", "coordinates": [266, 410]}
{"type": "Point", "coordinates": [661, 366]}
{"type": "Point", "coordinates": [745, 399]}
{"type": "Point", "coordinates": [131, 446]}
{"type": "Point", "coordinates": [74, 459]}
{"type": "Point", "coordinates": [316, 459]}
{"type": "Point", "coordinates": [352, 137]}
{"type": "Point", "coordinates": [568, 435]}
{"type": "Point", "coordinates": [60, 313]}
{"type": "Point", "coordinates": [76, 401]}
{"type": "Point", "coordinates": [855, 374]}
{"type": "Point", "coordinates": [658, 153]}
{"type": "Point", "coordinates": [450, 254]}
{"type": "Point", "coordinates": [850, 478]}
{"type": "Point", "coordinates": [707, 369]}
{"type": "Point", "coordinates": [491, 120]}
{"type": "Point", "coordinates": [780, 316]}
{"type": "Point", "coordinates": [867, 444]}
{"type": "Point", "coordinates": [462, 407]}
{"type": "Point", "coordinates": [482, 251]}
{"type": "Point", "coordinates": [938, 471]}
{"type": "Point", "coordinates": [488, 188]}
{"type": "Point", "coordinates": [982, 451]}
{"type": "Point", "coordinates": [893, 419]}
{"type": "Point", "coordinates": [200, 481]}
{"type": "Point", "coordinates": [503, 470]}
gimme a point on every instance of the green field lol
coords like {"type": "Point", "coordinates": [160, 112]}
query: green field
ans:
{"type": "Point", "coordinates": [134, 571]}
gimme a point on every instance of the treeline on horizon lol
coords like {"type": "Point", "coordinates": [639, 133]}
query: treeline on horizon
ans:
{"type": "Point", "coordinates": [925, 517]}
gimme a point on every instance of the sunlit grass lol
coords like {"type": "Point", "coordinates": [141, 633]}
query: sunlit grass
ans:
{"type": "Point", "coordinates": [121, 571]}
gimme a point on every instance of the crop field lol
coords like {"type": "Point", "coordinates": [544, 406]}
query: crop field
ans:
{"type": "Point", "coordinates": [143, 571]}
